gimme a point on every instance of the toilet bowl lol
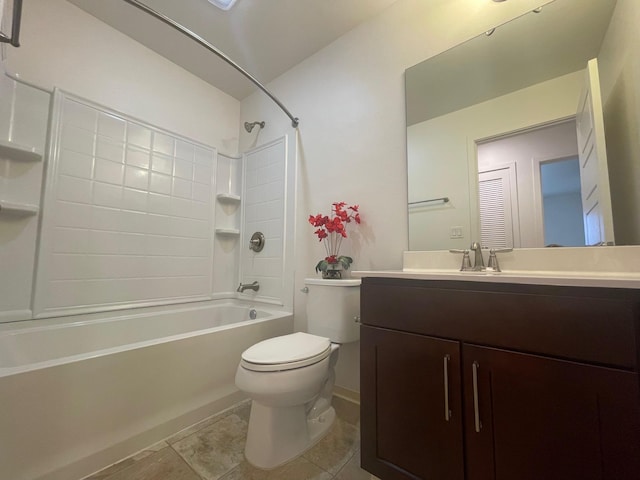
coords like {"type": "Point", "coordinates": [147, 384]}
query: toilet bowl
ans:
{"type": "Point", "coordinates": [290, 378]}
{"type": "Point", "coordinates": [291, 407]}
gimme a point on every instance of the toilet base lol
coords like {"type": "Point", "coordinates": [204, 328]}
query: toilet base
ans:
{"type": "Point", "coordinates": [279, 434]}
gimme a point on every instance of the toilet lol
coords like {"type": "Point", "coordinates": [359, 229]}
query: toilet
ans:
{"type": "Point", "coordinates": [290, 378]}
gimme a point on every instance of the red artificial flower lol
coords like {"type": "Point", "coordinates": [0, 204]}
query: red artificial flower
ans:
{"type": "Point", "coordinates": [332, 259]}
{"type": "Point", "coordinates": [326, 226]}
{"type": "Point", "coordinates": [321, 234]}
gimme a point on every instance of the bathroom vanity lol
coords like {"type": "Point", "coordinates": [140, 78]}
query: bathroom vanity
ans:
{"type": "Point", "coordinates": [473, 380]}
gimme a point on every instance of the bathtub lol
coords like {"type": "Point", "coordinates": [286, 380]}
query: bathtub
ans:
{"type": "Point", "coordinates": [76, 396]}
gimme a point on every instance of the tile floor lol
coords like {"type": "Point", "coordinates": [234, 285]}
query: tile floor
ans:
{"type": "Point", "coordinates": [213, 450]}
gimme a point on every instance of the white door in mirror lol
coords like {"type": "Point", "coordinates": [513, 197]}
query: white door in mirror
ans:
{"type": "Point", "coordinates": [594, 173]}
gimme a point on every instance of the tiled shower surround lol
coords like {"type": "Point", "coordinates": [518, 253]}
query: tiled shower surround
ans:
{"type": "Point", "coordinates": [213, 450]}
{"type": "Point", "coordinates": [128, 213]}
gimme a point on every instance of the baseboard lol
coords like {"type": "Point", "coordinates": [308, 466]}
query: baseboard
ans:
{"type": "Point", "coordinates": [346, 394]}
{"type": "Point", "coordinates": [347, 409]}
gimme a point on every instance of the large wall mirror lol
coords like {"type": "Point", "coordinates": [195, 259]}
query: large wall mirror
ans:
{"type": "Point", "coordinates": [504, 144]}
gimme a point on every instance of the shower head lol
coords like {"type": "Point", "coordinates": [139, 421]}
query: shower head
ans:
{"type": "Point", "coordinates": [249, 126]}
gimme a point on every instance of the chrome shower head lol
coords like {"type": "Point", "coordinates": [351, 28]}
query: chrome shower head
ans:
{"type": "Point", "coordinates": [249, 126]}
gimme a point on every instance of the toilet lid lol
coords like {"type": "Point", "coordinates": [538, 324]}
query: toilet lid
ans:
{"type": "Point", "coordinates": [286, 352]}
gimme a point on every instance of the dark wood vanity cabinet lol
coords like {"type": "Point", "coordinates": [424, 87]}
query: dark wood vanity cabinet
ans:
{"type": "Point", "coordinates": [479, 381]}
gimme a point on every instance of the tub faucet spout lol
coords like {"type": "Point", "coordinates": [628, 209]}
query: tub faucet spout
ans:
{"type": "Point", "coordinates": [255, 286]}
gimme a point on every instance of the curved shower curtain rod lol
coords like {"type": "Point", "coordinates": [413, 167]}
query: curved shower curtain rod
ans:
{"type": "Point", "coordinates": [211, 48]}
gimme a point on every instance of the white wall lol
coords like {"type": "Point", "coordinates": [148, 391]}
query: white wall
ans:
{"type": "Point", "coordinates": [64, 47]}
{"type": "Point", "coordinates": [350, 100]}
{"type": "Point", "coordinates": [619, 64]}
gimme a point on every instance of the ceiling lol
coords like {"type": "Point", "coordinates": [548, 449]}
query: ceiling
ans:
{"type": "Point", "coordinates": [265, 37]}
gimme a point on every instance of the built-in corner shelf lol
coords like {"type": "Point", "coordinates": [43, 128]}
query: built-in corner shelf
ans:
{"type": "Point", "coordinates": [20, 153]}
{"type": "Point", "coordinates": [228, 198]}
{"type": "Point", "coordinates": [18, 209]}
{"type": "Point", "coordinates": [228, 232]}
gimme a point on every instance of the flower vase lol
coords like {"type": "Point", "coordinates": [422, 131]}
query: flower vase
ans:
{"type": "Point", "coordinates": [333, 272]}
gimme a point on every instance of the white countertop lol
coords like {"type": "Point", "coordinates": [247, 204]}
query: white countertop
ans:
{"type": "Point", "coordinates": [577, 279]}
{"type": "Point", "coordinates": [611, 267]}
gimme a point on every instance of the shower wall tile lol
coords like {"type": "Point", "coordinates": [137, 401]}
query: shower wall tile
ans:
{"type": "Point", "coordinates": [163, 144]}
{"type": "Point", "coordinates": [181, 188]}
{"type": "Point", "coordinates": [111, 126]}
{"type": "Point", "coordinates": [162, 163]}
{"type": "Point", "coordinates": [201, 193]}
{"type": "Point", "coordinates": [76, 164]}
{"type": "Point", "coordinates": [183, 169]}
{"type": "Point", "coordinates": [264, 200]}
{"type": "Point", "coordinates": [134, 200]}
{"type": "Point", "coordinates": [77, 139]}
{"type": "Point", "coordinates": [138, 135]}
{"type": "Point", "coordinates": [203, 156]}
{"type": "Point", "coordinates": [184, 150]}
{"type": "Point", "coordinates": [74, 189]}
{"type": "Point", "coordinates": [129, 218]}
{"type": "Point", "coordinates": [203, 173]}
{"type": "Point", "coordinates": [109, 149]}
{"type": "Point", "coordinates": [71, 240]}
{"type": "Point", "coordinates": [80, 115]}
{"type": "Point", "coordinates": [107, 195]}
{"type": "Point", "coordinates": [136, 178]}
{"type": "Point", "coordinates": [71, 214]}
{"type": "Point", "coordinates": [107, 171]}
{"type": "Point", "coordinates": [138, 157]}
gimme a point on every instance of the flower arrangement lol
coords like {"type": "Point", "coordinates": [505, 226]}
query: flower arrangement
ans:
{"type": "Point", "coordinates": [332, 230]}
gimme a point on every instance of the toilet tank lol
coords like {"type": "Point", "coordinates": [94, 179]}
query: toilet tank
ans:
{"type": "Point", "coordinates": [332, 308]}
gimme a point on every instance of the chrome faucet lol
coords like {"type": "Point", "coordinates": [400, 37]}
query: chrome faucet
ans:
{"type": "Point", "coordinates": [478, 262]}
{"type": "Point", "coordinates": [255, 286]}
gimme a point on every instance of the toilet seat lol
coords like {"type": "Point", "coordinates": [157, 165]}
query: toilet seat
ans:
{"type": "Point", "coordinates": [287, 352]}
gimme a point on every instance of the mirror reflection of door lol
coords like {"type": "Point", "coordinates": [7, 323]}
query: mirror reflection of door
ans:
{"type": "Point", "coordinates": [594, 172]}
{"type": "Point", "coordinates": [498, 201]}
{"type": "Point", "coordinates": [523, 150]}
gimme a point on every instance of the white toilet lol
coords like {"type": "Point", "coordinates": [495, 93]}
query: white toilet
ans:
{"type": "Point", "coordinates": [290, 378]}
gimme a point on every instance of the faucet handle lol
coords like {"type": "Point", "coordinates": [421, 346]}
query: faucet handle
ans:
{"type": "Point", "coordinates": [492, 264]}
{"type": "Point", "coordinates": [466, 261]}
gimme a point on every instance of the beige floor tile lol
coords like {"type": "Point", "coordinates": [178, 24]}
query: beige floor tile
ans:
{"type": "Point", "coordinates": [243, 410]}
{"type": "Point", "coordinates": [163, 465]}
{"type": "Point", "coordinates": [334, 451]}
{"type": "Point", "coordinates": [215, 450]}
{"type": "Point", "coordinates": [298, 469]}
{"type": "Point", "coordinates": [127, 462]}
{"type": "Point", "coordinates": [352, 470]}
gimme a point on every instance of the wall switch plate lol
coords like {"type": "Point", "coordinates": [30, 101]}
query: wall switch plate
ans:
{"type": "Point", "coordinates": [456, 232]}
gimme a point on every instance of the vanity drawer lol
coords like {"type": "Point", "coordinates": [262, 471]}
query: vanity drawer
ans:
{"type": "Point", "coordinates": [586, 324]}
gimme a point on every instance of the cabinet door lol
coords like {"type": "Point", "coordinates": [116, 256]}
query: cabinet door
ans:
{"type": "Point", "coordinates": [532, 418]}
{"type": "Point", "coordinates": [411, 406]}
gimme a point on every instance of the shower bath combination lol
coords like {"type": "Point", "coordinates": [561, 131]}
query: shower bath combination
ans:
{"type": "Point", "coordinates": [249, 126]}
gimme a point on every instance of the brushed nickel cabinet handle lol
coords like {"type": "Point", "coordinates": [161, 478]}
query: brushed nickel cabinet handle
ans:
{"type": "Point", "coordinates": [476, 408]}
{"type": "Point", "coordinates": [447, 411]}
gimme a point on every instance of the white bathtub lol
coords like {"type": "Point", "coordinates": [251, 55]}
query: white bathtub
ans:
{"type": "Point", "coordinates": [77, 396]}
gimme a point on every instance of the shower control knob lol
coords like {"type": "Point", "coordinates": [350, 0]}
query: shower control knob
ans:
{"type": "Point", "coordinates": [257, 242]}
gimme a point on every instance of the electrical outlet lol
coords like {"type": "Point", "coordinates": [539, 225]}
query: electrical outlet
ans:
{"type": "Point", "coordinates": [455, 232]}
